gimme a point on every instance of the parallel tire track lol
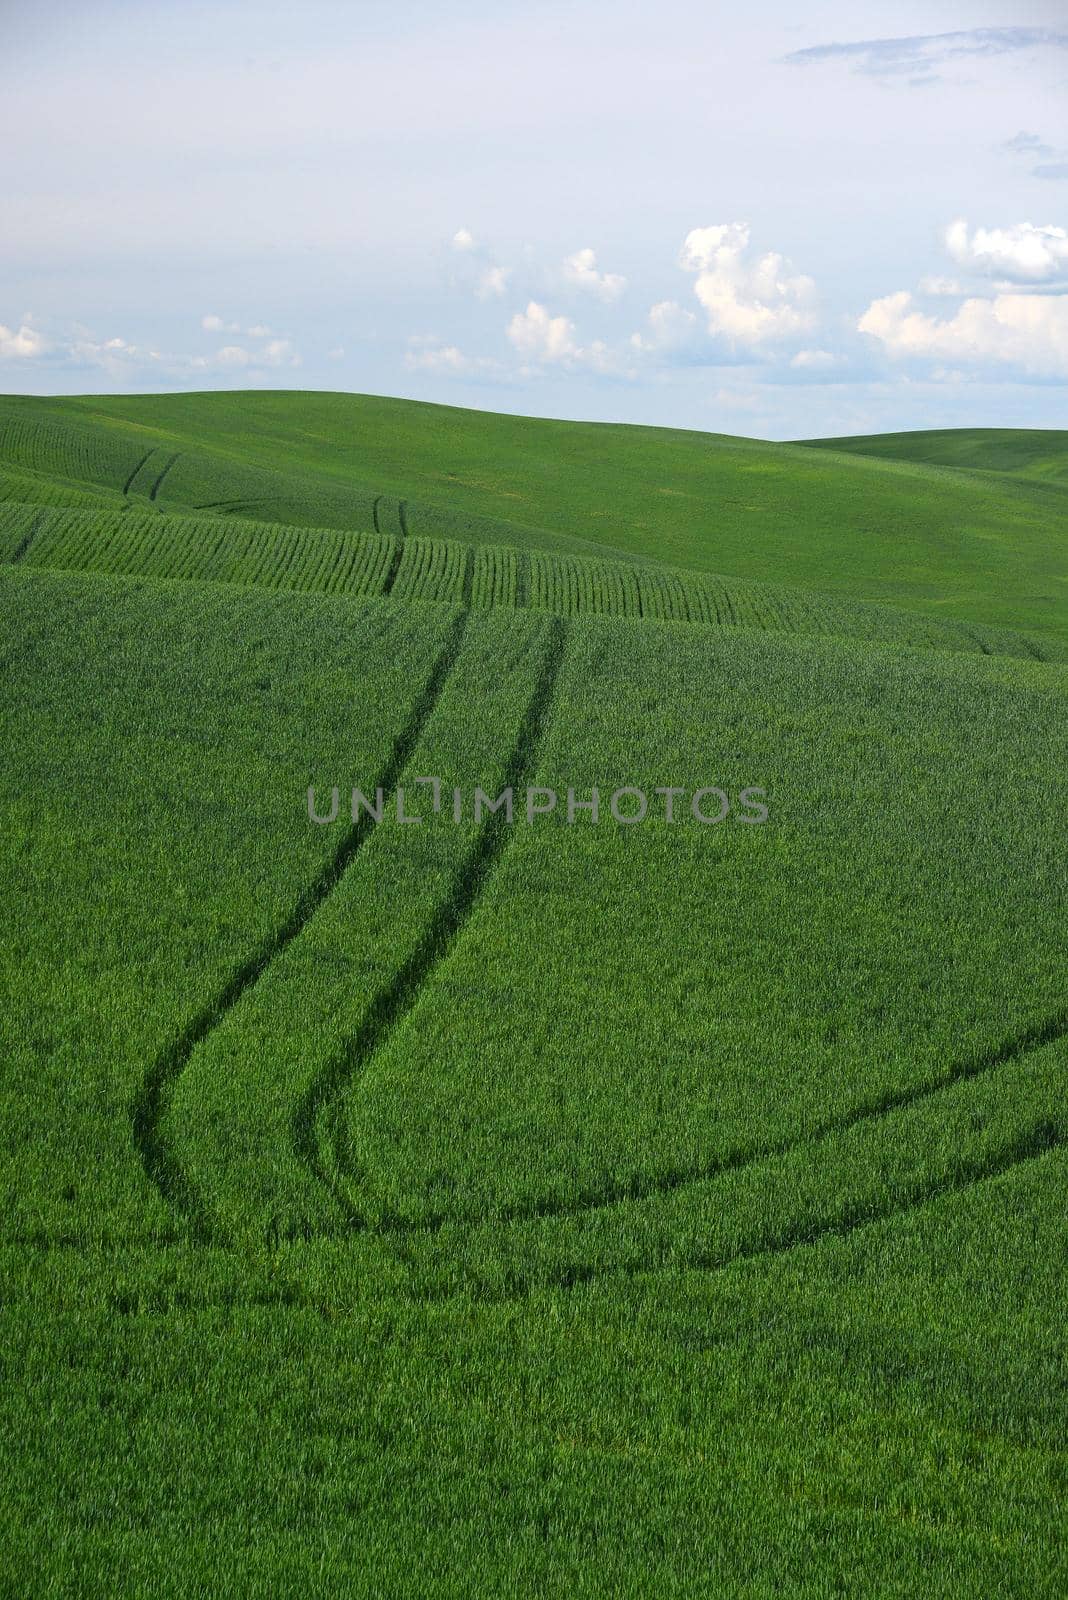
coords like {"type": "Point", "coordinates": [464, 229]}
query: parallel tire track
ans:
{"type": "Point", "coordinates": [607, 1196]}
{"type": "Point", "coordinates": [1040, 1141]}
{"type": "Point", "coordinates": [168, 464]}
{"type": "Point", "coordinates": [153, 1101]}
{"type": "Point", "coordinates": [319, 1116]}
{"type": "Point", "coordinates": [129, 482]}
{"type": "Point", "coordinates": [398, 551]}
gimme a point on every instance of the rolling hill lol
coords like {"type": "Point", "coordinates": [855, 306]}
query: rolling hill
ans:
{"type": "Point", "coordinates": [427, 1203]}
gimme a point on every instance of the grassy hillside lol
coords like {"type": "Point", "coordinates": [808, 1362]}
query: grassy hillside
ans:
{"type": "Point", "coordinates": [330, 561]}
{"type": "Point", "coordinates": [1038, 453]}
{"type": "Point", "coordinates": [975, 546]}
{"type": "Point", "coordinates": [526, 1201]}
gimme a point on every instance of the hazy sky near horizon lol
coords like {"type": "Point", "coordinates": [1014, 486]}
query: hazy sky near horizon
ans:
{"type": "Point", "coordinates": [771, 220]}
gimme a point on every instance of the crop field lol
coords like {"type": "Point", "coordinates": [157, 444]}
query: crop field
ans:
{"type": "Point", "coordinates": [534, 1062]}
{"type": "Point", "coordinates": [329, 561]}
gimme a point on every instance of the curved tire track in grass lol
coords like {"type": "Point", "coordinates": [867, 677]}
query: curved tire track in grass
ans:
{"type": "Point", "coordinates": [319, 1115]}
{"type": "Point", "coordinates": [129, 482]}
{"type": "Point", "coordinates": [167, 465]}
{"type": "Point", "coordinates": [1039, 1141]}
{"type": "Point", "coordinates": [154, 1099]}
{"type": "Point", "coordinates": [606, 1196]}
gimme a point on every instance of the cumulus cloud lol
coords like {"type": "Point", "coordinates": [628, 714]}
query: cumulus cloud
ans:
{"type": "Point", "coordinates": [1029, 331]}
{"type": "Point", "coordinates": [581, 271]}
{"type": "Point", "coordinates": [915, 57]}
{"type": "Point", "coordinates": [1021, 253]}
{"type": "Point", "coordinates": [278, 353]}
{"type": "Point", "coordinates": [20, 344]}
{"type": "Point", "coordinates": [538, 335]}
{"type": "Point", "coordinates": [463, 239]}
{"type": "Point", "coordinates": [669, 328]}
{"type": "Point", "coordinates": [492, 281]}
{"type": "Point", "coordinates": [427, 353]}
{"type": "Point", "coordinates": [746, 302]}
{"type": "Point", "coordinates": [214, 324]}
{"type": "Point", "coordinates": [544, 340]}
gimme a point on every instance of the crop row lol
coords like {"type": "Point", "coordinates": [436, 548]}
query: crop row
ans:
{"type": "Point", "coordinates": [539, 1080]}
{"type": "Point", "coordinates": [66, 450]}
{"type": "Point", "coordinates": [237, 550]}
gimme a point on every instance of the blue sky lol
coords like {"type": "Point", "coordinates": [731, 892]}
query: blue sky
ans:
{"type": "Point", "coordinates": [753, 220]}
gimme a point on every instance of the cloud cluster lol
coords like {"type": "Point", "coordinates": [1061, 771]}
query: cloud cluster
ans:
{"type": "Point", "coordinates": [746, 302]}
{"type": "Point", "coordinates": [117, 357]}
{"type": "Point", "coordinates": [1025, 330]}
{"type": "Point", "coordinates": [581, 271]}
{"type": "Point", "coordinates": [21, 343]}
{"type": "Point", "coordinates": [427, 353]}
{"type": "Point", "coordinates": [669, 328]}
{"type": "Point", "coordinates": [275, 353]}
{"type": "Point", "coordinates": [1021, 253]}
{"type": "Point", "coordinates": [544, 340]}
{"type": "Point", "coordinates": [755, 309]}
{"type": "Point", "coordinates": [539, 336]}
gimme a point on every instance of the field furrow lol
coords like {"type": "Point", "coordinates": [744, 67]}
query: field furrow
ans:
{"type": "Point", "coordinates": [160, 1165]}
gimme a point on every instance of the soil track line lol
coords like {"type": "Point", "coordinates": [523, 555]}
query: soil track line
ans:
{"type": "Point", "coordinates": [154, 491]}
{"type": "Point", "coordinates": [136, 470]}
{"type": "Point", "coordinates": [153, 1101]}
{"type": "Point", "coordinates": [1033, 1147]}
{"type": "Point", "coordinates": [319, 1114]}
{"type": "Point", "coordinates": [392, 570]}
{"type": "Point", "coordinates": [27, 539]}
{"type": "Point", "coordinates": [606, 1196]}
{"type": "Point", "coordinates": [1039, 1142]}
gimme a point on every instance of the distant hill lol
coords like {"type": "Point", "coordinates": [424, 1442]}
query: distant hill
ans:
{"type": "Point", "coordinates": [867, 519]}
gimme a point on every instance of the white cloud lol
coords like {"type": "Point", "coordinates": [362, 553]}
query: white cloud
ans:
{"type": "Point", "coordinates": [749, 303]}
{"type": "Point", "coordinates": [278, 353]}
{"type": "Point", "coordinates": [427, 353]}
{"type": "Point", "coordinates": [492, 281]}
{"type": "Point", "coordinates": [258, 332]}
{"type": "Point", "coordinates": [581, 270]}
{"type": "Point", "coordinates": [463, 239]}
{"type": "Point", "coordinates": [211, 323]}
{"type": "Point", "coordinates": [670, 327]}
{"type": "Point", "coordinates": [22, 343]}
{"type": "Point", "coordinates": [336, 354]}
{"type": "Point", "coordinates": [1029, 331]}
{"type": "Point", "coordinates": [814, 360]}
{"type": "Point", "coordinates": [542, 337]}
{"type": "Point", "coordinates": [1021, 253]}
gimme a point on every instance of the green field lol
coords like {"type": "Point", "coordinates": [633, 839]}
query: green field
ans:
{"type": "Point", "coordinates": [481, 1207]}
